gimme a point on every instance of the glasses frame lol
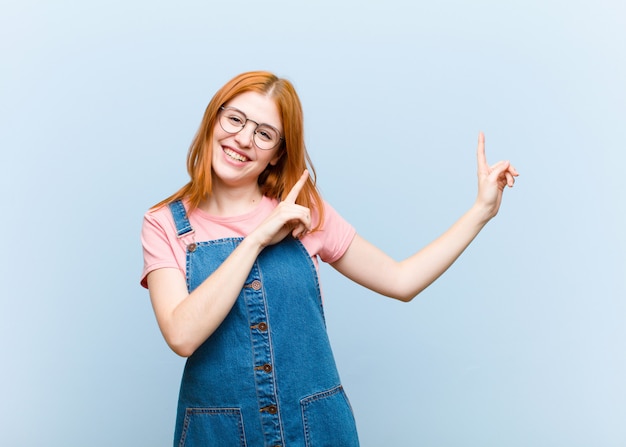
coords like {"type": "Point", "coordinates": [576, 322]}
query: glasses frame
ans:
{"type": "Point", "coordinates": [245, 122]}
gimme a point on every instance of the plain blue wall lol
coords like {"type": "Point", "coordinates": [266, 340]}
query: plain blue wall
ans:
{"type": "Point", "coordinates": [520, 343]}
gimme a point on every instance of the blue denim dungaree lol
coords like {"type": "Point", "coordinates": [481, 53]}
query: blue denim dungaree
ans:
{"type": "Point", "coordinates": [266, 376]}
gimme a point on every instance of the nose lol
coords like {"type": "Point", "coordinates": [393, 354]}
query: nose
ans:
{"type": "Point", "coordinates": [245, 136]}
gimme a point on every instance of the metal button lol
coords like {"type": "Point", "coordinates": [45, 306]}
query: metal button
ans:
{"type": "Point", "coordinates": [267, 368]}
{"type": "Point", "coordinates": [271, 409]}
{"type": "Point", "coordinates": [192, 247]}
{"type": "Point", "coordinates": [256, 284]}
{"type": "Point", "coordinates": [261, 326]}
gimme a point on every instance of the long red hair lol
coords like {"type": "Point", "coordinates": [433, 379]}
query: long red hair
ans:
{"type": "Point", "coordinates": [276, 181]}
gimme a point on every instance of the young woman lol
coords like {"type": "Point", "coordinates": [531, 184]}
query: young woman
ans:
{"type": "Point", "coordinates": [230, 261]}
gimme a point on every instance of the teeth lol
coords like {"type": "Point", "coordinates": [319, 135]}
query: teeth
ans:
{"type": "Point", "coordinates": [235, 155]}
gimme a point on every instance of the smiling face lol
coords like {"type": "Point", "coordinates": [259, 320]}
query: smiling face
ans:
{"type": "Point", "coordinates": [237, 161]}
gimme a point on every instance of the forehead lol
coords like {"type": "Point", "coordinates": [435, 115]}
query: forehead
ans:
{"type": "Point", "coordinates": [257, 107]}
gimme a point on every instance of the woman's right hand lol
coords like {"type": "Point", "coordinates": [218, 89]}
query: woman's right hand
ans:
{"type": "Point", "coordinates": [287, 217]}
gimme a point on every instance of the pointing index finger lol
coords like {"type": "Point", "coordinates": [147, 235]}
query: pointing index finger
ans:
{"type": "Point", "coordinates": [480, 152]}
{"type": "Point", "coordinates": [293, 194]}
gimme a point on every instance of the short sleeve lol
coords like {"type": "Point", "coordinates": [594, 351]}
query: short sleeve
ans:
{"type": "Point", "coordinates": [331, 242]}
{"type": "Point", "coordinates": [161, 247]}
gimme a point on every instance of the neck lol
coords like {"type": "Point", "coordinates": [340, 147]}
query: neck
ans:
{"type": "Point", "coordinates": [231, 201]}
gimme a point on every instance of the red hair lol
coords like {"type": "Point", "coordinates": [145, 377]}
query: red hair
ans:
{"type": "Point", "coordinates": [276, 181]}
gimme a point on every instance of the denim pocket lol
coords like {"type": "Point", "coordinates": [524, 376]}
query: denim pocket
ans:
{"type": "Point", "coordinates": [209, 427]}
{"type": "Point", "coordinates": [328, 419]}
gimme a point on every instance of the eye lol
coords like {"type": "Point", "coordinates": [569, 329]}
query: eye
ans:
{"type": "Point", "coordinates": [236, 120]}
{"type": "Point", "coordinates": [267, 134]}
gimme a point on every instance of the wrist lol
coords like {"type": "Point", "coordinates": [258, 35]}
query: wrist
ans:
{"type": "Point", "coordinates": [252, 242]}
{"type": "Point", "coordinates": [482, 213]}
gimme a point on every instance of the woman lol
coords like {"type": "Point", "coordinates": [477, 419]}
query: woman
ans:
{"type": "Point", "coordinates": [230, 261]}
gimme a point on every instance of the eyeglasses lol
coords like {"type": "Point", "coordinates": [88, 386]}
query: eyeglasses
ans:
{"type": "Point", "coordinates": [233, 120]}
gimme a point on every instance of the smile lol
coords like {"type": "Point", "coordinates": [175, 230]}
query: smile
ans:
{"type": "Point", "coordinates": [235, 155]}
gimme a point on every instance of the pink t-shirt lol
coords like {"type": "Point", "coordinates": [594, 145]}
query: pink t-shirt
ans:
{"type": "Point", "coordinates": [163, 249]}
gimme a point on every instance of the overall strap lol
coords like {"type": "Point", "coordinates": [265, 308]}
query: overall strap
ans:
{"type": "Point", "coordinates": [183, 227]}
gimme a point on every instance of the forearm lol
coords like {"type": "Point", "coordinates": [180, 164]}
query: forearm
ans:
{"type": "Point", "coordinates": [371, 267]}
{"type": "Point", "coordinates": [417, 272]}
{"type": "Point", "coordinates": [195, 316]}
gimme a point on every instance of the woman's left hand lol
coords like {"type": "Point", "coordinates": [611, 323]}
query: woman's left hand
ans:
{"type": "Point", "coordinates": [492, 180]}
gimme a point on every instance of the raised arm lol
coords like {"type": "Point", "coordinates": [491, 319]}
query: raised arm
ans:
{"type": "Point", "coordinates": [187, 319]}
{"type": "Point", "coordinates": [369, 266]}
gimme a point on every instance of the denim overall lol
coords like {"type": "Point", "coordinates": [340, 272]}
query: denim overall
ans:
{"type": "Point", "coordinates": [266, 376]}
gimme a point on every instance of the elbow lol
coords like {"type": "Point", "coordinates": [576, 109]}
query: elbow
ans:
{"type": "Point", "coordinates": [181, 345]}
{"type": "Point", "coordinates": [182, 351]}
{"type": "Point", "coordinates": [403, 287]}
{"type": "Point", "coordinates": [398, 295]}
{"type": "Point", "coordinates": [406, 295]}
{"type": "Point", "coordinates": [405, 298]}
{"type": "Point", "coordinates": [182, 338]}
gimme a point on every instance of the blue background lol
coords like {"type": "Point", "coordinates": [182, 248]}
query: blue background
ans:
{"type": "Point", "coordinates": [522, 342]}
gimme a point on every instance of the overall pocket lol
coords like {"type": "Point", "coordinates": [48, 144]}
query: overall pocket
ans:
{"type": "Point", "coordinates": [328, 420]}
{"type": "Point", "coordinates": [212, 427]}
